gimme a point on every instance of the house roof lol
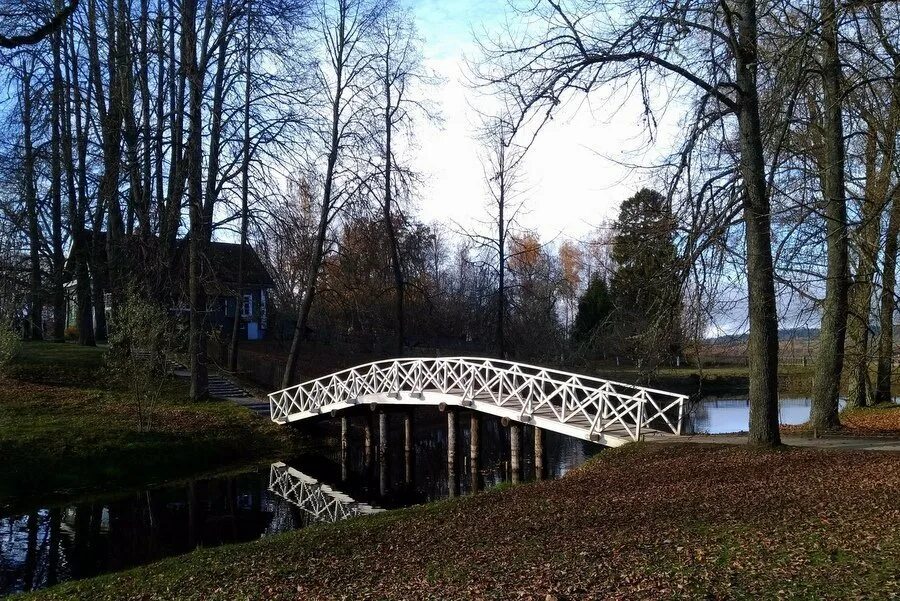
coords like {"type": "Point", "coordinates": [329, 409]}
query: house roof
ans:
{"type": "Point", "coordinates": [223, 259]}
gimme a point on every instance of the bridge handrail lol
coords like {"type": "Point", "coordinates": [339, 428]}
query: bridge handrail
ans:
{"type": "Point", "coordinates": [548, 370]}
{"type": "Point", "coordinates": [607, 403]}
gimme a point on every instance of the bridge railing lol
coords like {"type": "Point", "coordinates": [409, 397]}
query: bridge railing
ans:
{"type": "Point", "coordinates": [527, 390]}
{"type": "Point", "coordinates": [318, 500]}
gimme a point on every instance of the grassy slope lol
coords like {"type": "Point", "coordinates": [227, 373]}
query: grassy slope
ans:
{"type": "Point", "coordinates": [63, 433]}
{"type": "Point", "coordinates": [645, 521]}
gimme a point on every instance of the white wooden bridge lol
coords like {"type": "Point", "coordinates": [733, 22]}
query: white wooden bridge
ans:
{"type": "Point", "coordinates": [321, 502]}
{"type": "Point", "coordinates": [606, 412]}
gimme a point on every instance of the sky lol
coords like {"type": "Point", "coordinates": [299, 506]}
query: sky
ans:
{"type": "Point", "coordinates": [574, 176]}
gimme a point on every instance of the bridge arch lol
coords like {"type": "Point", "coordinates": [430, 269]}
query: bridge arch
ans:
{"type": "Point", "coordinates": [603, 411]}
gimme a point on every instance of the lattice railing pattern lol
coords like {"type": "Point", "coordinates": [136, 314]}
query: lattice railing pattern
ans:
{"type": "Point", "coordinates": [528, 391]}
{"type": "Point", "coordinates": [318, 500]}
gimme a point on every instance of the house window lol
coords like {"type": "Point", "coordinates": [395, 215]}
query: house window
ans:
{"type": "Point", "coordinates": [247, 306]}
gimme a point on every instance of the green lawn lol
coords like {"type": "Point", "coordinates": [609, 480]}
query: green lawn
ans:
{"type": "Point", "coordinates": [641, 522]}
{"type": "Point", "coordinates": [65, 433]}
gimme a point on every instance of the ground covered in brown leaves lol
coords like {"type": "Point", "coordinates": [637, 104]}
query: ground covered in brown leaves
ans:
{"type": "Point", "coordinates": [881, 420]}
{"type": "Point", "coordinates": [884, 419]}
{"type": "Point", "coordinates": [642, 522]}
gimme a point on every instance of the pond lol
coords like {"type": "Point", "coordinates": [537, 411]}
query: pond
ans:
{"type": "Point", "coordinates": [732, 414]}
{"type": "Point", "coordinates": [51, 544]}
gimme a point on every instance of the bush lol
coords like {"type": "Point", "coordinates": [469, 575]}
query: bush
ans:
{"type": "Point", "coordinates": [142, 341]}
{"type": "Point", "coordinates": [71, 333]}
{"type": "Point", "coordinates": [10, 345]}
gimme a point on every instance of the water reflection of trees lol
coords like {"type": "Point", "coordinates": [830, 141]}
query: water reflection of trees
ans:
{"type": "Point", "coordinates": [50, 545]}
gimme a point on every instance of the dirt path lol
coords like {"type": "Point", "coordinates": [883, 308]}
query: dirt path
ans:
{"type": "Point", "coordinates": [846, 442]}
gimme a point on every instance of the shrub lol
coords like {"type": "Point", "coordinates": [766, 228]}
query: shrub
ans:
{"type": "Point", "coordinates": [10, 344]}
{"type": "Point", "coordinates": [71, 333]}
{"type": "Point", "coordinates": [142, 340]}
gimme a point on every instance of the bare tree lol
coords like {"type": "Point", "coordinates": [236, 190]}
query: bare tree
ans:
{"type": "Point", "coordinates": [245, 195]}
{"type": "Point", "coordinates": [826, 387]}
{"type": "Point", "coordinates": [401, 78]}
{"type": "Point", "coordinates": [35, 329]}
{"type": "Point", "coordinates": [501, 163]}
{"type": "Point", "coordinates": [37, 33]}
{"type": "Point", "coordinates": [345, 27]}
{"type": "Point", "coordinates": [713, 47]}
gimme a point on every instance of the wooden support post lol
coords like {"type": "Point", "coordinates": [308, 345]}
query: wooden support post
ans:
{"type": "Point", "coordinates": [451, 453]}
{"type": "Point", "coordinates": [345, 446]}
{"type": "Point", "coordinates": [474, 451]}
{"type": "Point", "coordinates": [407, 448]}
{"type": "Point", "coordinates": [367, 438]}
{"type": "Point", "coordinates": [514, 464]}
{"type": "Point", "coordinates": [382, 452]}
{"type": "Point", "coordinates": [538, 453]}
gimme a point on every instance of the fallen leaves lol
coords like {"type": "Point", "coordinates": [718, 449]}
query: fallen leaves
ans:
{"type": "Point", "coordinates": [643, 522]}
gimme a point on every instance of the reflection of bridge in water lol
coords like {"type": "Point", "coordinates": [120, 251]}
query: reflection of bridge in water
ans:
{"type": "Point", "coordinates": [318, 500]}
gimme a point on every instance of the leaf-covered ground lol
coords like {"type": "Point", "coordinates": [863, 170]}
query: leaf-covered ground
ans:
{"type": "Point", "coordinates": [872, 420]}
{"type": "Point", "coordinates": [65, 433]}
{"type": "Point", "coordinates": [881, 420]}
{"type": "Point", "coordinates": [642, 522]}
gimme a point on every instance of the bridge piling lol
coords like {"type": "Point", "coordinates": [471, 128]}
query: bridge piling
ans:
{"type": "Point", "coordinates": [538, 453]}
{"type": "Point", "coordinates": [514, 463]}
{"type": "Point", "coordinates": [382, 452]}
{"type": "Point", "coordinates": [407, 448]}
{"type": "Point", "coordinates": [475, 451]}
{"type": "Point", "coordinates": [367, 439]}
{"type": "Point", "coordinates": [345, 432]}
{"type": "Point", "coordinates": [451, 453]}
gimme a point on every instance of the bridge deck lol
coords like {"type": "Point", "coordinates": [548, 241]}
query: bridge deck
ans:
{"type": "Point", "coordinates": [602, 411]}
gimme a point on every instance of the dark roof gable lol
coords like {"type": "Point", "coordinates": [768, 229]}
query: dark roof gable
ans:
{"type": "Point", "coordinates": [222, 257]}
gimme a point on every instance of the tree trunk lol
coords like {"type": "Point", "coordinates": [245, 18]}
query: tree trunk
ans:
{"type": "Point", "coordinates": [763, 342]}
{"type": "Point", "coordinates": [78, 202]}
{"type": "Point", "coordinates": [245, 198]}
{"type": "Point", "coordinates": [171, 218]}
{"type": "Point", "coordinates": [859, 389]}
{"type": "Point", "coordinates": [35, 328]}
{"type": "Point", "coordinates": [826, 386]}
{"type": "Point", "coordinates": [108, 188]}
{"type": "Point", "coordinates": [886, 304]}
{"type": "Point", "coordinates": [882, 392]}
{"type": "Point", "coordinates": [501, 266]}
{"type": "Point", "coordinates": [194, 153]}
{"type": "Point", "coordinates": [159, 109]}
{"type": "Point", "coordinates": [56, 217]}
{"type": "Point", "coordinates": [396, 265]}
{"type": "Point", "coordinates": [312, 275]}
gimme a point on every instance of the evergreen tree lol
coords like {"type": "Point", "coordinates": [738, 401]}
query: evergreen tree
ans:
{"type": "Point", "coordinates": [594, 309]}
{"type": "Point", "coordinates": [645, 285]}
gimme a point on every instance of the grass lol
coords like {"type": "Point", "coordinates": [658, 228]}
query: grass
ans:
{"type": "Point", "coordinates": [65, 434]}
{"type": "Point", "coordinates": [641, 522]}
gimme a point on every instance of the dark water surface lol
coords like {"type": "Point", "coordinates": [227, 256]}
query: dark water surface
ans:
{"type": "Point", "coordinates": [52, 544]}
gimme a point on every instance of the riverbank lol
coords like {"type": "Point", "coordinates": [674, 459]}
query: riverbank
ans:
{"type": "Point", "coordinates": [65, 433]}
{"type": "Point", "coordinates": [644, 521]}
{"type": "Point", "coordinates": [723, 380]}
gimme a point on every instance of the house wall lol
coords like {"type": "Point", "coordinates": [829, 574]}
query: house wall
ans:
{"type": "Point", "coordinates": [253, 326]}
